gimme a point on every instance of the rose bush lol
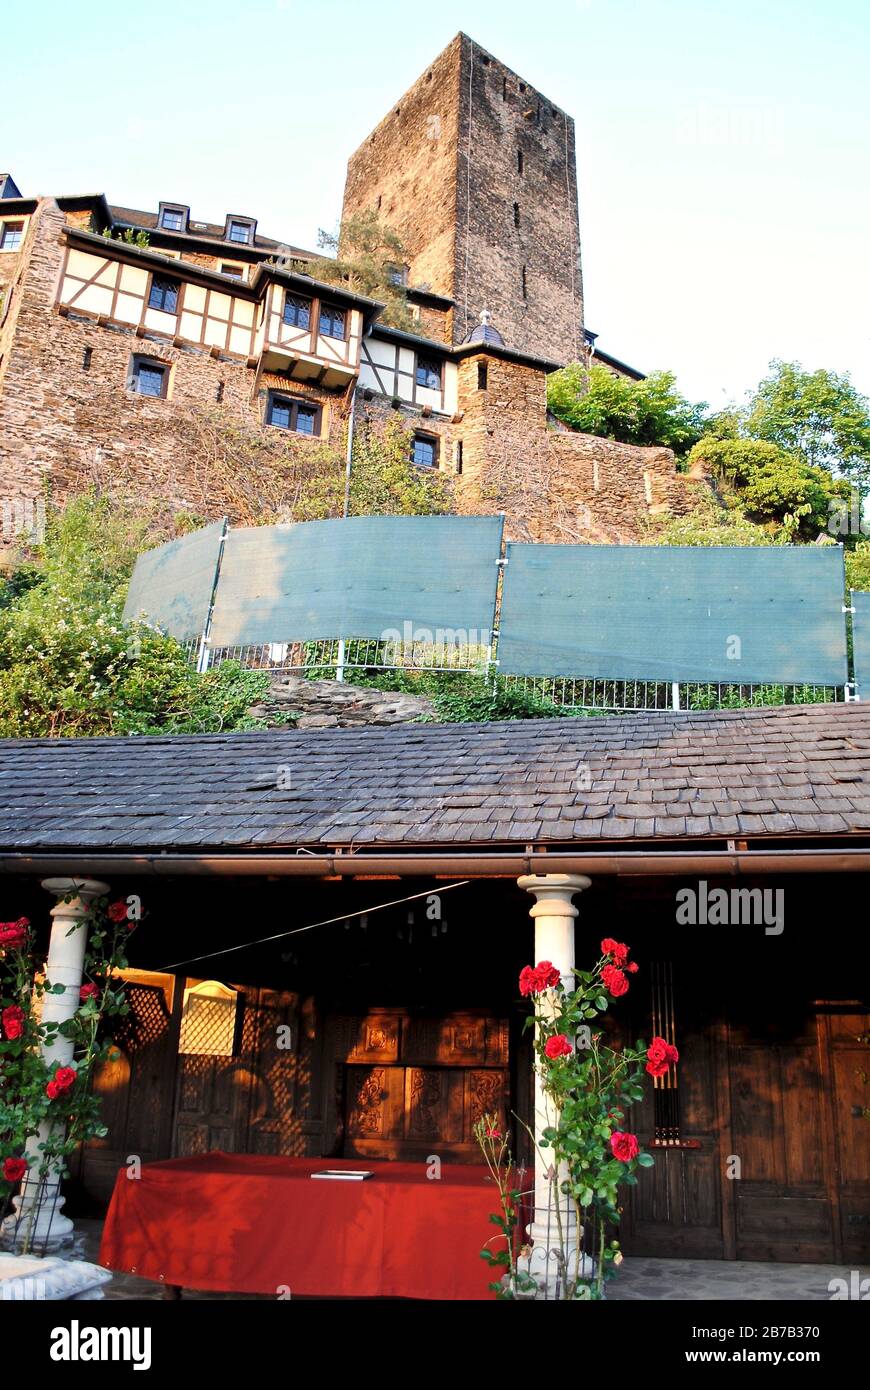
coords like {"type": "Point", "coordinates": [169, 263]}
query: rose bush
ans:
{"type": "Point", "coordinates": [588, 1088]}
{"type": "Point", "coordinates": [32, 1091]}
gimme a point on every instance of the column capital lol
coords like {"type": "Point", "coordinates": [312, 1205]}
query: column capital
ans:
{"type": "Point", "coordinates": [81, 890]}
{"type": "Point", "coordinates": [553, 893]}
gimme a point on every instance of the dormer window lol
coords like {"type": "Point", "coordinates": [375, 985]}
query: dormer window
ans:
{"type": "Point", "coordinates": [172, 218]}
{"type": "Point", "coordinates": [397, 274]}
{"type": "Point", "coordinates": [241, 232]}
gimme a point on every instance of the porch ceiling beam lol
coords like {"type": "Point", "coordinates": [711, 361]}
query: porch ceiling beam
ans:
{"type": "Point", "coordinates": [623, 864]}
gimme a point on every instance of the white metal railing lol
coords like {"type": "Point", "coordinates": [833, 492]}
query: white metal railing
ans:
{"type": "Point", "coordinates": [339, 659]}
{"type": "Point", "coordinates": [651, 696]}
{"type": "Point", "coordinates": [334, 659]}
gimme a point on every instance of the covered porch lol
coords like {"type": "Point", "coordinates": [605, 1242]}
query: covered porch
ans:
{"type": "Point", "coordinates": [302, 990]}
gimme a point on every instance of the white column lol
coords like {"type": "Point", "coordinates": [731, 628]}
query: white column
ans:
{"type": "Point", "coordinates": [554, 914]}
{"type": "Point", "coordinates": [39, 1221]}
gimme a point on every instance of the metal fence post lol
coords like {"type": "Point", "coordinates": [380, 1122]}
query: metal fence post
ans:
{"type": "Point", "coordinates": [203, 657]}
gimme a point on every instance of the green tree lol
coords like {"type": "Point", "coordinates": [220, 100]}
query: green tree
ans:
{"type": "Point", "coordinates": [820, 416]}
{"type": "Point", "coordinates": [651, 411]}
{"type": "Point", "coordinates": [369, 258]}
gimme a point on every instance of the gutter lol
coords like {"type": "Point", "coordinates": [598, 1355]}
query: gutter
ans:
{"type": "Point", "coordinates": [619, 864]}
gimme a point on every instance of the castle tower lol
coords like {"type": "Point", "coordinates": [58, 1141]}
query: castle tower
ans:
{"type": "Point", "coordinates": [476, 171]}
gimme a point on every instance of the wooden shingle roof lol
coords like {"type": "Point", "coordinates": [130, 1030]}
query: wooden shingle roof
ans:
{"type": "Point", "coordinates": [786, 772]}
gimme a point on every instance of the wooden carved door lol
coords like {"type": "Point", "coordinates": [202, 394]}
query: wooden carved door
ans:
{"type": "Point", "coordinates": [411, 1087]}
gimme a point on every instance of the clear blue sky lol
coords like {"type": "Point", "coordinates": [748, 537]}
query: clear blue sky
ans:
{"type": "Point", "coordinates": [722, 148]}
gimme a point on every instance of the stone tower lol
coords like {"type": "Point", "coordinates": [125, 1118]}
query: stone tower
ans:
{"type": "Point", "coordinates": [476, 171]}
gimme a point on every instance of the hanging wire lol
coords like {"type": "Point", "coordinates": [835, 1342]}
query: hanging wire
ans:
{"type": "Point", "coordinates": [327, 922]}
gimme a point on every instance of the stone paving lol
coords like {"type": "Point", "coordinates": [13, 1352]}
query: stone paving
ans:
{"type": "Point", "coordinates": [696, 1281]}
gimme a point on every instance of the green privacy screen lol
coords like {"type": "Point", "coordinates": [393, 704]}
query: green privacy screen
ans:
{"type": "Point", "coordinates": [365, 576]}
{"type": "Point", "coordinates": [861, 642]}
{"type": "Point", "coordinates": [173, 584]}
{"type": "Point", "coordinates": [736, 615]}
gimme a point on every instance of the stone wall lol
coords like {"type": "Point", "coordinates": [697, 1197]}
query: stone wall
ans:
{"type": "Point", "coordinates": [554, 484]}
{"type": "Point", "coordinates": [406, 171]}
{"type": "Point", "coordinates": [68, 420]}
{"type": "Point", "coordinates": [517, 234]}
{"type": "Point", "coordinates": [335, 704]}
{"type": "Point", "coordinates": [443, 168]}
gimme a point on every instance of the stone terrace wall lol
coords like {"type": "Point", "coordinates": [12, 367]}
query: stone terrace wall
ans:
{"type": "Point", "coordinates": [552, 483]}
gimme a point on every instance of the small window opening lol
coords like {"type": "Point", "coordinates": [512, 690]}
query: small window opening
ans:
{"type": "Point", "coordinates": [482, 374]}
{"type": "Point", "coordinates": [87, 357]}
{"type": "Point", "coordinates": [516, 214]}
{"type": "Point", "coordinates": [520, 161]}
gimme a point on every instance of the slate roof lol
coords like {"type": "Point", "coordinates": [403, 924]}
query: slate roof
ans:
{"type": "Point", "coordinates": [800, 771]}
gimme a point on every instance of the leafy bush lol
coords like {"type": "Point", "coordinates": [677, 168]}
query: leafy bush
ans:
{"type": "Point", "coordinates": [384, 481]}
{"type": "Point", "coordinates": [70, 667]}
{"type": "Point", "coordinates": [708, 523]}
{"type": "Point", "coordinates": [770, 486]}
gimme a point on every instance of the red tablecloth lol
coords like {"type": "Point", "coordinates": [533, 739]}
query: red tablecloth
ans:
{"type": "Point", "coordinates": [242, 1223]}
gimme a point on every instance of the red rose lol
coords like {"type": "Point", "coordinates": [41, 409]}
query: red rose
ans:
{"type": "Point", "coordinates": [624, 1146]}
{"type": "Point", "coordinates": [535, 979]}
{"type": "Point", "coordinates": [660, 1055]}
{"type": "Point", "coordinates": [14, 1169]}
{"type": "Point", "coordinates": [614, 981]}
{"type": "Point", "coordinates": [52, 1090]}
{"type": "Point", "coordinates": [64, 1078]}
{"type": "Point", "coordinates": [117, 912]}
{"type": "Point", "coordinates": [656, 1068]}
{"type": "Point", "coordinates": [631, 966]}
{"type": "Point", "coordinates": [617, 950]}
{"type": "Point", "coordinates": [548, 974]}
{"type": "Point", "coordinates": [527, 980]}
{"type": "Point", "coordinates": [13, 934]}
{"type": "Point", "coordinates": [88, 992]}
{"type": "Point", "coordinates": [557, 1046]}
{"type": "Point", "coordinates": [12, 1022]}
{"type": "Point", "coordinates": [493, 1134]}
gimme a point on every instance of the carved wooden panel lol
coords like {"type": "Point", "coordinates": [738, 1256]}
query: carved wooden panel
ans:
{"type": "Point", "coordinates": [377, 1039]}
{"type": "Point", "coordinates": [375, 1107]}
